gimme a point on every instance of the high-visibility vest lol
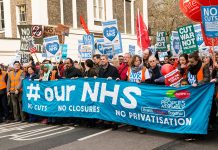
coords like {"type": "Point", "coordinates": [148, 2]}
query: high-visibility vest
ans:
{"type": "Point", "coordinates": [15, 79]}
{"type": "Point", "coordinates": [53, 73]}
{"type": "Point", "coordinates": [200, 74]}
{"type": "Point", "coordinates": [2, 80]}
{"type": "Point", "coordinates": [143, 73]}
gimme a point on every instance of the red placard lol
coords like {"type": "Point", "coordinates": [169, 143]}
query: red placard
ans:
{"type": "Point", "coordinates": [173, 78]}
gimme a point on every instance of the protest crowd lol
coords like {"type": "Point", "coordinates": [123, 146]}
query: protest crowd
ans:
{"type": "Point", "coordinates": [146, 69]}
{"type": "Point", "coordinates": [183, 63]}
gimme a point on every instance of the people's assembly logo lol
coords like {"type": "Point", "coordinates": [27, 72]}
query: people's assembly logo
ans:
{"type": "Point", "coordinates": [181, 94]}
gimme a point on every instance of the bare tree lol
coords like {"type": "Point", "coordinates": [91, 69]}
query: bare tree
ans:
{"type": "Point", "coordinates": [165, 15]}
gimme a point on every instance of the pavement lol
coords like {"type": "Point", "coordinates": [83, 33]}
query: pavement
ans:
{"type": "Point", "coordinates": [36, 136]}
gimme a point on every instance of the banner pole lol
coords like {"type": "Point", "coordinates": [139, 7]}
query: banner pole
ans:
{"type": "Point", "coordinates": [36, 57]}
{"type": "Point", "coordinates": [139, 29]}
{"type": "Point", "coordinates": [213, 54]}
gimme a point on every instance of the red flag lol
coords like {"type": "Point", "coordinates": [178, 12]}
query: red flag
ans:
{"type": "Point", "coordinates": [83, 24]}
{"type": "Point", "coordinates": [143, 40]}
{"type": "Point", "coordinates": [208, 41]}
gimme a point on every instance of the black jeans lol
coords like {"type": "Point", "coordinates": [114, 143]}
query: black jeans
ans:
{"type": "Point", "coordinates": [4, 109]}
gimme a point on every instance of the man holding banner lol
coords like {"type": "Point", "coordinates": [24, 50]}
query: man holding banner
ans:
{"type": "Point", "coordinates": [110, 72]}
{"type": "Point", "coordinates": [71, 71]}
{"type": "Point", "coordinates": [107, 71]}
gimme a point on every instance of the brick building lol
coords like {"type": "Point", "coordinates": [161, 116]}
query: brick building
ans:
{"type": "Point", "coordinates": [52, 12]}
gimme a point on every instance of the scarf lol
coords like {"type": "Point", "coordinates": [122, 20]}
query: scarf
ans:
{"type": "Point", "coordinates": [137, 69]}
{"type": "Point", "coordinates": [46, 76]}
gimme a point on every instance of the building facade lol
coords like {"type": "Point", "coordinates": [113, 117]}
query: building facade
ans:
{"type": "Point", "coordinates": [68, 12]}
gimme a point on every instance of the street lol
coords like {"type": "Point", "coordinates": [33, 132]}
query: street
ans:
{"type": "Point", "coordinates": [34, 136]}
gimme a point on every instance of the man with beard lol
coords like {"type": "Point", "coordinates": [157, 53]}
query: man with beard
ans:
{"type": "Point", "coordinates": [70, 70]}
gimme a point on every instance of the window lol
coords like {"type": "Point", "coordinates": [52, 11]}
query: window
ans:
{"type": "Point", "coordinates": [2, 23]}
{"type": "Point", "coordinates": [98, 10]}
{"type": "Point", "coordinates": [22, 13]}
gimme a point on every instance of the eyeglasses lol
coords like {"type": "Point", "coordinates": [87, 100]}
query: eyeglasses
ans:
{"type": "Point", "coordinates": [151, 61]}
{"type": "Point", "coordinates": [172, 59]}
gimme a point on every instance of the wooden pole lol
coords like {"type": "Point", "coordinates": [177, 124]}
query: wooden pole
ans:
{"type": "Point", "coordinates": [36, 57]}
{"type": "Point", "coordinates": [139, 21]}
{"type": "Point", "coordinates": [213, 54]}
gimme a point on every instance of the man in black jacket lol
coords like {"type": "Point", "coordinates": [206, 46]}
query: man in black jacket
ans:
{"type": "Point", "coordinates": [107, 71]}
{"type": "Point", "coordinates": [71, 71]}
{"type": "Point", "coordinates": [110, 72]}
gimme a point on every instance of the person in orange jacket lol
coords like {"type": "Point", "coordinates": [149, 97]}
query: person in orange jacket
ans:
{"type": "Point", "coordinates": [14, 90]}
{"type": "Point", "coordinates": [198, 73]}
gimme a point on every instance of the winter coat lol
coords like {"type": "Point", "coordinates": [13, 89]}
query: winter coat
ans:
{"type": "Point", "coordinates": [122, 70]}
{"type": "Point", "coordinates": [199, 74]}
{"type": "Point", "coordinates": [110, 71]}
{"type": "Point", "coordinates": [72, 72]}
{"type": "Point", "coordinates": [90, 73]}
{"type": "Point", "coordinates": [156, 75]}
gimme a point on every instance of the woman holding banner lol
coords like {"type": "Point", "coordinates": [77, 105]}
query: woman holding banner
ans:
{"type": "Point", "coordinates": [137, 73]}
{"type": "Point", "coordinates": [89, 73]}
{"type": "Point", "coordinates": [31, 76]}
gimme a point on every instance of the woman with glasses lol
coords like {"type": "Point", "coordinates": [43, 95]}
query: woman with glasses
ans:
{"type": "Point", "coordinates": [137, 73]}
{"type": "Point", "coordinates": [155, 71]}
